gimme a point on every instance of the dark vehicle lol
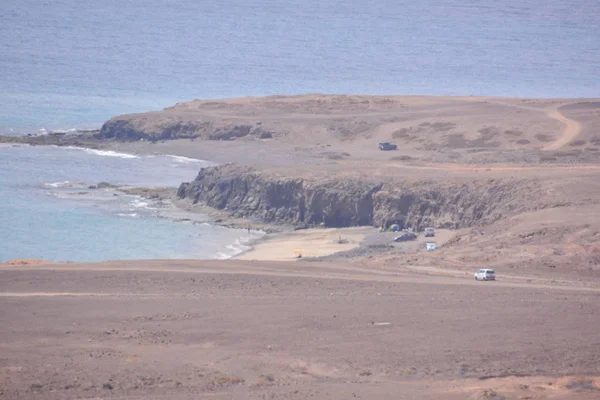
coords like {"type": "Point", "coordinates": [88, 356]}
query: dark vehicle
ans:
{"type": "Point", "coordinates": [387, 146]}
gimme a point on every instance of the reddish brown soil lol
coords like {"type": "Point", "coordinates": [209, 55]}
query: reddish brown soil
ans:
{"type": "Point", "coordinates": [235, 329]}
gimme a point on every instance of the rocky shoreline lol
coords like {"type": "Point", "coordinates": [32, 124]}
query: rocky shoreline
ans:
{"type": "Point", "coordinates": [515, 176]}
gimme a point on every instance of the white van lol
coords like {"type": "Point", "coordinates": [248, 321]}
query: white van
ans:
{"type": "Point", "coordinates": [485, 275]}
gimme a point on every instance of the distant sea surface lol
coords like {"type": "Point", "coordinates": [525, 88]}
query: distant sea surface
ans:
{"type": "Point", "coordinates": [68, 64]}
{"type": "Point", "coordinates": [75, 63]}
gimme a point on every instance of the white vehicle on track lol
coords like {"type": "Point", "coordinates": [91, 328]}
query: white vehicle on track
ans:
{"type": "Point", "coordinates": [485, 275]}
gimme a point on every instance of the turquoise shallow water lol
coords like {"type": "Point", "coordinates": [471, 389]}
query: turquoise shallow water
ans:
{"type": "Point", "coordinates": [68, 63]}
{"type": "Point", "coordinates": [48, 211]}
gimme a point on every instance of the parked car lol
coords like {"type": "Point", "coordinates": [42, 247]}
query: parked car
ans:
{"type": "Point", "coordinates": [387, 146]}
{"type": "Point", "coordinates": [429, 232]}
{"type": "Point", "coordinates": [485, 275]}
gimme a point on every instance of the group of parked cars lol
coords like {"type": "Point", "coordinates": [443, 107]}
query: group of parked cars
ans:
{"type": "Point", "coordinates": [483, 274]}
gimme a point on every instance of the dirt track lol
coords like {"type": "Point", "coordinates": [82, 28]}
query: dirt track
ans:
{"type": "Point", "coordinates": [570, 133]}
{"type": "Point", "coordinates": [571, 130]}
{"type": "Point", "coordinates": [183, 329]}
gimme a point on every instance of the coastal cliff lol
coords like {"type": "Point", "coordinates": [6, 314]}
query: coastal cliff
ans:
{"type": "Point", "coordinates": [130, 128]}
{"type": "Point", "coordinates": [245, 192]}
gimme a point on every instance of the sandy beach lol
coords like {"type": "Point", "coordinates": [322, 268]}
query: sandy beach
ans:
{"type": "Point", "coordinates": [307, 243]}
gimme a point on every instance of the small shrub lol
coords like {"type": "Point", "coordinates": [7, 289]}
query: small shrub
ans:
{"type": "Point", "coordinates": [582, 384]}
{"type": "Point", "coordinates": [543, 137]}
{"type": "Point", "coordinates": [569, 153]}
{"type": "Point", "coordinates": [547, 158]}
{"type": "Point", "coordinates": [442, 126]}
{"type": "Point", "coordinates": [401, 134]}
{"type": "Point", "coordinates": [456, 140]}
{"type": "Point", "coordinates": [577, 143]}
{"type": "Point", "coordinates": [401, 158]}
{"type": "Point", "coordinates": [488, 132]}
{"type": "Point", "coordinates": [513, 132]}
{"type": "Point", "coordinates": [225, 381]}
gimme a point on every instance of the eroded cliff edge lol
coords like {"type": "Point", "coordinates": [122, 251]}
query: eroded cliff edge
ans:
{"type": "Point", "coordinates": [245, 192]}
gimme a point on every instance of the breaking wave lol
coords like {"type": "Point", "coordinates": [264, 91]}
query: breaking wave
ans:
{"type": "Point", "coordinates": [58, 184]}
{"type": "Point", "coordinates": [238, 247]}
{"type": "Point", "coordinates": [139, 203]}
{"type": "Point", "coordinates": [185, 160]}
{"type": "Point", "coordinates": [105, 153]}
{"type": "Point", "coordinates": [128, 215]}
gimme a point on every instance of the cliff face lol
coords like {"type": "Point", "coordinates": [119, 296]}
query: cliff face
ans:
{"type": "Point", "coordinates": [245, 192]}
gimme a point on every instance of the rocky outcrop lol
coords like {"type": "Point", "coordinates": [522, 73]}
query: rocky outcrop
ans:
{"type": "Point", "coordinates": [246, 192]}
{"type": "Point", "coordinates": [136, 127]}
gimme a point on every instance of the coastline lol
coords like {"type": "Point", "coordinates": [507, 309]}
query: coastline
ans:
{"type": "Point", "coordinates": [137, 203]}
{"type": "Point", "coordinates": [181, 210]}
{"type": "Point", "coordinates": [316, 242]}
{"type": "Point", "coordinates": [276, 242]}
{"type": "Point", "coordinates": [496, 157]}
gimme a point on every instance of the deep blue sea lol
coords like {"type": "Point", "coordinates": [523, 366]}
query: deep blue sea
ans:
{"type": "Point", "coordinates": [75, 63]}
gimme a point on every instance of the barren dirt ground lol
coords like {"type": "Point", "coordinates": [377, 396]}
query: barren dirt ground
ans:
{"type": "Point", "coordinates": [242, 329]}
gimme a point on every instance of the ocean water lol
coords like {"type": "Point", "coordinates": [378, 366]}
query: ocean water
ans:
{"type": "Point", "coordinates": [48, 210]}
{"type": "Point", "coordinates": [68, 64]}
{"type": "Point", "coordinates": [76, 63]}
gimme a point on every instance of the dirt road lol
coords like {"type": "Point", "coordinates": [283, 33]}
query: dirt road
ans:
{"type": "Point", "coordinates": [571, 131]}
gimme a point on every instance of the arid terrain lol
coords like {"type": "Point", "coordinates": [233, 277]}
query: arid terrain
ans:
{"type": "Point", "coordinates": [517, 179]}
{"type": "Point", "coordinates": [509, 184]}
{"type": "Point", "coordinates": [235, 329]}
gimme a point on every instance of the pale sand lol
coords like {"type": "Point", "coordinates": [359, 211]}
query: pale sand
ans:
{"type": "Point", "coordinates": [312, 242]}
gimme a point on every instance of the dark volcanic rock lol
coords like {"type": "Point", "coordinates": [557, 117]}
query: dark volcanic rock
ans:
{"type": "Point", "coordinates": [405, 237]}
{"type": "Point", "coordinates": [136, 127]}
{"type": "Point", "coordinates": [331, 201]}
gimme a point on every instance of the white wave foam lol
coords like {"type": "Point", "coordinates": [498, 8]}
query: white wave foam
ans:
{"type": "Point", "coordinates": [105, 153]}
{"type": "Point", "coordinates": [58, 184]}
{"type": "Point", "coordinates": [185, 160]}
{"type": "Point", "coordinates": [222, 256]}
{"type": "Point", "coordinates": [137, 203]}
{"type": "Point", "coordinates": [236, 248]}
{"type": "Point", "coordinates": [58, 195]}
{"type": "Point", "coordinates": [70, 130]}
{"type": "Point", "coordinates": [132, 215]}
{"type": "Point", "coordinates": [110, 153]}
